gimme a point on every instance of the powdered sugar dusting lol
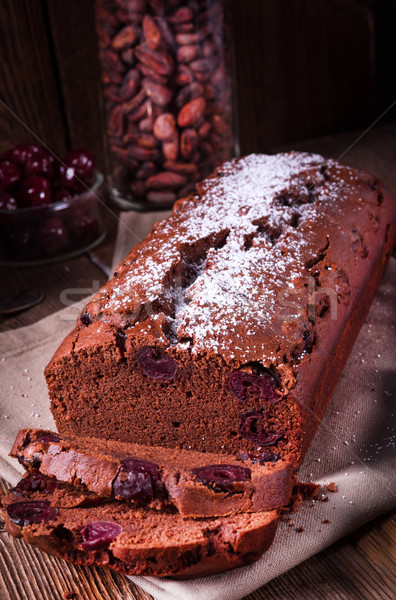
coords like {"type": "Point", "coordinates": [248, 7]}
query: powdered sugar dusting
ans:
{"type": "Point", "coordinates": [235, 287]}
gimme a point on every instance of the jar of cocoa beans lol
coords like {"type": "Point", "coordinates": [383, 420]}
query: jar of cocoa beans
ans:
{"type": "Point", "coordinates": [167, 85]}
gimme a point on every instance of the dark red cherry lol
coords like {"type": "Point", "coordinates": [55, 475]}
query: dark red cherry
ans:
{"type": "Point", "coordinates": [7, 201]}
{"type": "Point", "coordinates": [41, 163]}
{"type": "Point", "coordinates": [61, 195]}
{"type": "Point", "coordinates": [48, 438]}
{"type": "Point", "coordinates": [35, 190]}
{"type": "Point", "coordinates": [86, 318]}
{"type": "Point", "coordinates": [52, 236]}
{"type": "Point", "coordinates": [75, 173]}
{"type": "Point", "coordinates": [33, 511]}
{"type": "Point", "coordinates": [67, 179]}
{"type": "Point", "coordinates": [83, 163]}
{"type": "Point", "coordinates": [156, 363]}
{"type": "Point", "coordinates": [221, 475]}
{"type": "Point", "coordinates": [83, 227]}
{"type": "Point", "coordinates": [21, 153]}
{"type": "Point", "coordinates": [248, 386]}
{"type": "Point", "coordinates": [35, 482]}
{"type": "Point", "coordinates": [99, 534]}
{"type": "Point", "coordinates": [253, 428]}
{"type": "Point", "coordinates": [260, 457]}
{"type": "Point", "coordinates": [10, 174]}
{"type": "Point", "coordinates": [136, 480]}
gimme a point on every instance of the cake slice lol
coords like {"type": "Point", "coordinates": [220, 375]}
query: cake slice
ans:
{"type": "Point", "coordinates": [60, 520]}
{"type": "Point", "coordinates": [197, 484]}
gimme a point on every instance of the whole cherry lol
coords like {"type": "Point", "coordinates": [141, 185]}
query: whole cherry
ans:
{"type": "Point", "coordinates": [10, 174]}
{"type": "Point", "coordinates": [7, 201]}
{"type": "Point", "coordinates": [52, 236]}
{"type": "Point", "coordinates": [35, 190]}
{"type": "Point", "coordinates": [21, 153]}
{"type": "Point", "coordinates": [40, 163]}
{"type": "Point", "coordinates": [76, 171]}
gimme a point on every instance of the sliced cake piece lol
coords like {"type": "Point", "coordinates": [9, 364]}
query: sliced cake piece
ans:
{"type": "Point", "coordinates": [135, 541]}
{"type": "Point", "coordinates": [197, 484]}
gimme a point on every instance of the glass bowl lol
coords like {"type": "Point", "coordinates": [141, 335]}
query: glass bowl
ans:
{"type": "Point", "coordinates": [45, 234]}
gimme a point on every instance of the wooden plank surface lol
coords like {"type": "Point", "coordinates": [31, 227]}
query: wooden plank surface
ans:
{"type": "Point", "coordinates": [361, 566]}
{"type": "Point", "coordinates": [72, 26]}
{"type": "Point", "coordinates": [28, 85]}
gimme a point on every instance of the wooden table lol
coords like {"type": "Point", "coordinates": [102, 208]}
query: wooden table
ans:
{"type": "Point", "coordinates": [360, 566]}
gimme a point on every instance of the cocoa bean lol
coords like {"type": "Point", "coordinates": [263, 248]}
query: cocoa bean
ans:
{"type": "Point", "coordinates": [152, 34]}
{"type": "Point", "coordinates": [143, 154]}
{"type": "Point", "coordinates": [202, 76]}
{"type": "Point", "coordinates": [126, 37]}
{"type": "Point", "coordinates": [130, 85]}
{"type": "Point", "coordinates": [134, 102]}
{"type": "Point", "coordinates": [208, 49]}
{"type": "Point", "coordinates": [191, 112]}
{"type": "Point", "coordinates": [146, 125]}
{"type": "Point", "coordinates": [158, 60]}
{"type": "Point", "coordinates": [140, 112]}
{"type": "Point", "coordinates": [158, 6]}
{"type": "Point", "coordinates": [164, 127]}
{"type": "Point", "coordinates": [152, 74]}
{"type": "Point", "coordinates": [183, 76]}
{"type": "Point", "coordinates": [147, 169]}
{"type": "Point", "coordinates": [215, 139]}
{"type": "Point", "coordinates": [158, 93]}
{"type": "Point", "coordinates": [167, 180]}
{"type": "Point", "coordinates": [181, 15]}
{"type": "Point", "coordinates": [204, 129]}
{"type": "Point", "coordinates": [170, 149]}
{"type": "Point", "coordinates": [186, 28]}
{"type": "Point", "coordinates": [186, 54]}
{"type": "Point", "coordinates": [161, 197]}
{"type": "Point", "coordinates": [187, 39]}
{"type": "Point", "coordinates": [116, 121]}
{"type": "Point", "coordinates": [187, 169]}
{"type": "Point", "coordinates": [202, 65]}
{"type": "Point", "coordinates": [128, 56]}
{"type": "Point", "coordinates": [206, 148]}
{"type": "Point", "coordinates": [166, 32]}
{"type": "Point", "coordinates": [209, 91]}
{"type": "Point", "coordinates": [188, 142]}
{"type": "Point", "coordinates": [189, 92]}
{"type": "Point", "coordinates": [219, 125]}
{"type": "Point", "coordinates": [146, 140]}
{"type": "Point", "coordinates": [111, 93]}
{"type": "Point", "coordinates": [213, 14]}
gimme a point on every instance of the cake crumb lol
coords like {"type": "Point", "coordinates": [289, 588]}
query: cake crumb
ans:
{"type": "Point", "coordinates": [331, 487]}
{"type": "Point", "coordinates": [325, 521]}
{"type": "Point", "coordinates": [300, 529]}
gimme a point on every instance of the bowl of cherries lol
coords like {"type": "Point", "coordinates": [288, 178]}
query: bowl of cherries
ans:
{"type": "Point", "coordinates": [50, 209]}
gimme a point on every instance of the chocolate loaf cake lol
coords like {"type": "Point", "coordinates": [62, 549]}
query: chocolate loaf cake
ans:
{"type": "Point", "coordinates": [61, 520]}
{"type": "Point", "coordinates": [227, 328]}
{"type": "Point", "coordinates": [197, 484]}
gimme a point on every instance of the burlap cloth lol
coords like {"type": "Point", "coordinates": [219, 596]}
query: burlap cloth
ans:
{"type": "Point", "coordinates": [355, 446]}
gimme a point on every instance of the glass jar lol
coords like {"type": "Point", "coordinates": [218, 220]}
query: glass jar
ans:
{"type": "Point", "coordinates": [167, 88]}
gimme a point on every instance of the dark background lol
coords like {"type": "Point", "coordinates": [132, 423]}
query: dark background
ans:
{"type": "Point", "coordinates": [303, 68]}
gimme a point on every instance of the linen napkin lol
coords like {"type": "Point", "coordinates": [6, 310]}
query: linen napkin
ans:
{"type": "Point", "coordinates": [354, 447]}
